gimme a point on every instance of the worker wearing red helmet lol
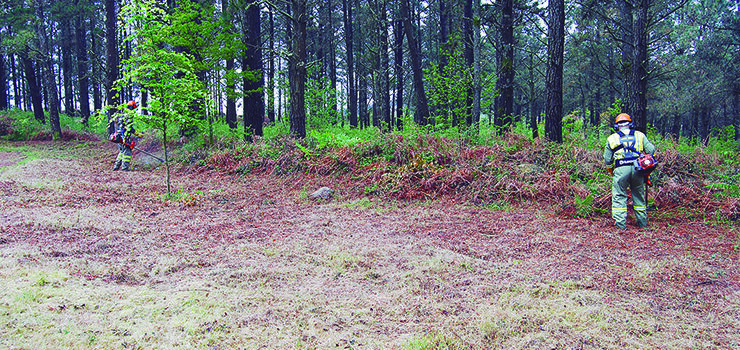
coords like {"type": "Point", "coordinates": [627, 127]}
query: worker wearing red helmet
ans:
{"type": "Point", "coordinates": [621, 153]}
{"type": "Point", "coordinates": [125, 132]}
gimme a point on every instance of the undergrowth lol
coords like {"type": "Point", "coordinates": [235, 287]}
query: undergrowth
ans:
{"type": "Point", "coordinates": [695, 179]}
{"type": "Point", "coordinates": [570, 178]}
{"type": "Point", "coordinates": [18, 125]}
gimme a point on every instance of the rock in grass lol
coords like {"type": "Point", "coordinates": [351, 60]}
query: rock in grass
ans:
{"type": "Point", "coordinates": [323, 193]}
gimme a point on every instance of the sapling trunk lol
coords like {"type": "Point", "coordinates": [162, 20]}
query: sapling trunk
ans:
{"type": "Point", "coordinates": [166, 159]}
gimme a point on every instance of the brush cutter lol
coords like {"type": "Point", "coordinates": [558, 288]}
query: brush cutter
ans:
{"type": "Point", "coordinates": [116, 137]}
{"type": "Point", "coordinates": [149, 154]}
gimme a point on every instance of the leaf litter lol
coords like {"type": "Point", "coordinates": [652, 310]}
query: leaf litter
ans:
{"type": "Point", "coordinates": [253, 262]}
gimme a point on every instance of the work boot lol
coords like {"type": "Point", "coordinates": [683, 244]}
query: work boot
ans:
{"type": "Point", "coordinates": [117, 165]}
{"type": "Point", "coordinates": [125, 167]}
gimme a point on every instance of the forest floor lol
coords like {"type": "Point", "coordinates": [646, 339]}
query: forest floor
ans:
{"type": "Point", "coordinates": [91, 258]}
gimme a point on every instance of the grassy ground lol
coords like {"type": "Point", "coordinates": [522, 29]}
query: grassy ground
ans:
{"type": "Point", "coordinates": [91, 258]}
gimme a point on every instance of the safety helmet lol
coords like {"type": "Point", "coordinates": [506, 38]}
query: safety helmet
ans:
{"type": "Point", "coordinates": [131, 104]}
{"type": "Point", "coordinates": [622, 117]}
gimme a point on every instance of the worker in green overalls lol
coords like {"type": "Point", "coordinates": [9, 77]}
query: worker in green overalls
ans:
{"type": "Point", "coordinates": [621, 153]}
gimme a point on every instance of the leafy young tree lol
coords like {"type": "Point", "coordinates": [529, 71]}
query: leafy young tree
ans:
{"type": "Point", "coordinates": [170, 75]}
{"type": "Point", "coordinates": [450, 88]}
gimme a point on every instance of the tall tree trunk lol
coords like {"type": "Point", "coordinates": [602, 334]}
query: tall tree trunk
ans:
{"type": "Point", "coordinates": [48, 73]}
{"type": "Point", "coordinates": [442, 109]}
{"type": "Point", "coordinates": [349, 42]}
{"type": "Point", "coordinates": [230, 81]}
{"type": "Point", "coordinates": [254, 103]}
{"type": "Point", "coordinates": [271, 67]}
{"type": "Point", "coordinates": [33, 88]}
{"type": "Point", "coordinates": [82, 71]}
{"type": "Point", "coordinates": [554, 79]}
{"type": "Point", "coordinates": [505, 109]}
{"type": "Point", "coordinates": [422, 106]}
{"type": "Point", "coordinates": [398, 69]}
{"type": "Point", "coordinates": [640, 67]}
{"type": "Point", "coordinates": [385, 88]}
{"type": "Point", "coordinates": [144, 101]}
{"type": "Point", "coordinates": [15, 71]}
{"type": "Point", "coordinates": [470, 58]}
{"type": "Point", "coordinates": [111, 55]}
{"type": "Point", "coordinates": [362, 105]}
{"type": "Point", "coordinates": [297, 62]}
{"type": "Point", "coordinates": [532, 97]}
{"type": "Point", "coordinates": [4, 82]}
{"type": "Point", "coordinates": [332, 64]}
{"type": "Point", "coordinates": [626, 27]}
{"type": "Point", "coordinates": [67, 40]}
{"type": "Point", "coordinates": [95, 47]}
{"type": "Point", "coordinates": [477, 78]}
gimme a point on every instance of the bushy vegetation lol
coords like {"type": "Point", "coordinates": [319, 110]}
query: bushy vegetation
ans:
{"type": "Point", "coordinates": [696, 179]}
{"type": "Point", "coordinates": [18, 125]}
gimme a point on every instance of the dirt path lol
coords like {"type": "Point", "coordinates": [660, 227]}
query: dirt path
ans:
{"type": "Point", "coordinates": [91, 258]}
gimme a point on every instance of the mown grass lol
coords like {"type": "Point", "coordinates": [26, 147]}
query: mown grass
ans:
{"type": "Point", "coordinates": [313, 290]}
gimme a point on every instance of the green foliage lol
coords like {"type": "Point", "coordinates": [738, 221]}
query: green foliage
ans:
{"type": "Point", "coordinates": [336, 137]}
{"type": "Point", "coordinates": [450, 89]}
{"type": "Point", "coordinates": [18, 125]}
{"type": "Point", "coordinates": [726, 185]}
{"type": "Point", "coordinates": [435, 341]}
{"type": "Point", "coordinates": [184, 198]}
{"type": "Point", "coordinates": [319, 99]}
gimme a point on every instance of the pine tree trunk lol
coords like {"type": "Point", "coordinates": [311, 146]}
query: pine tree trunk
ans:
{"type": "Point", "coordinates": [111, 54]}
{"type": "Point", "coordinates": [254, 104]}
{"type": "Point", "coordinates": [4, 82]}
{"type": "Point", "coordinates": [349, 41]}
{"type": "Point", "coordinates": [626, 28]}
{"type": "Point", "coordinates": [470, 45]}
{"type": "Point", "coordinates": [82, 70]}
{"type": "Point", "coordinates": [96, 75]}
{"type": "Point", "coordinates": [422, 106]}
{"type": "Point", "coordinates": [640, 67]}
{"type": "Point", "coordinates": [33, 88]}
{"type": "Point", "coordinates": [48, 72]}
{"type": "Point", "coordinates": [271, 68]}
{"type": "Point", "coordinates": [297, 78]}
{"type": "Point", "coordinates": [505, 111]}
{"type": "Point", "coordinates": [385, 88]}
{"type": "Point", "coordinates": [230, 85]}
{"type": "Point", "coordinates": [15, 71]}
{"type": "Point", "coordinates": [398, 69]}
{"type": "Point", "coordinates": [554, 79]}
{"type": "Point", "coordinates": [66, 44]}
{"type": "Point", "coordinates": [332, 65]}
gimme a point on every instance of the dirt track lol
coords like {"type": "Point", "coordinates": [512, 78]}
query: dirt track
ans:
{"type": "Point", "coordinates": [95, 258]}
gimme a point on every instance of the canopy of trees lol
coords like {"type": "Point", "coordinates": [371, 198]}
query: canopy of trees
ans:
{"type": "Point", "coordinates": [673, 64]}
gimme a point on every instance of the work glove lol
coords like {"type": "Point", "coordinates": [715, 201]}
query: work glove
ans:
{"type": "Point", "coordinates": [138, 134]}
{"type": "Point", "coordinates": [611, 170]}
